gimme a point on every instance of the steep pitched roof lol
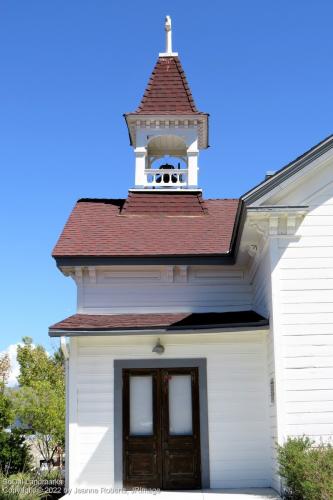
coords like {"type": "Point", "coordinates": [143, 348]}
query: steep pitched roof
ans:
{"type": "Point", "coordinates": [114, 228]}
{"type": "Point", "coordinates": [166, 321]}
{"type": "Point", "coordinates": [167, 91]}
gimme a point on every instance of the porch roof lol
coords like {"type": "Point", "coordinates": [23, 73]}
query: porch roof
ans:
{"type": "Point", "coordinates": [162, 321]}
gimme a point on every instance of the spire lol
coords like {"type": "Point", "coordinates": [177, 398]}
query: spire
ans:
{"type": "Point", "coordinates": [167, 91]}
{"type": "Point", "coordinates": [168, 39]}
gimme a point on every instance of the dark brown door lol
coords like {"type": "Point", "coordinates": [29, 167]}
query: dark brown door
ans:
{"type": "Point", "coordinates": [161, 429]}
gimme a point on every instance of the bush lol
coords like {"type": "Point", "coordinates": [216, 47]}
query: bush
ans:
{"type": "Point", "coordinates": [32, 486]}
{"type": "Point", "coordinates": [14, 452]}
{"type": "Point", "coordinates": [52, 484]}
{"type": "Point", "coordinates": [307, 470]}
{"type": "Point", "coordinates": [21, 486]}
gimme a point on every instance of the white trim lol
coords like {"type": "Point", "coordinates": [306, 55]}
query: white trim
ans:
{"type": "Point", "coordinates": [275, 255]}
{"type": "Point", "coordinates": [127, 333]}
{"type": "Point", "coordinates": [319, 162]}
{"type": "Point", "coordinates": [72, 414]}
{"type": "Point", "coordinates": [168, 54]}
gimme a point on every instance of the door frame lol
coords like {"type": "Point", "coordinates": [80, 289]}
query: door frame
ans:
{"type": "Point", "coordinates": [119, 365]}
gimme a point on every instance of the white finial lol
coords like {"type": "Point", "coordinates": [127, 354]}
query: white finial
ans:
{"type": "Point", "coordinates": [168, 35]}
{"type": "Point", "coordinates": [168, 39]}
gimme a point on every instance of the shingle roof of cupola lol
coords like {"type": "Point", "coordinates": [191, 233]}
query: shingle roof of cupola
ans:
{"type": "Point", "coordinates": [167, 91]}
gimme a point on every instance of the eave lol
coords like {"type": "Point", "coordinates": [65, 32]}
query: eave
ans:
{"type": "Point", "coordinates": [134, 120]}
{"type": "Point", "coordinates": [267, 187]}
{"type": "Point", "coordinates": [262, 326]}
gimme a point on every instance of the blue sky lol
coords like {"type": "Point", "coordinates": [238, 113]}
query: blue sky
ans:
{"type": "Point", "coordinates": [70, 69]}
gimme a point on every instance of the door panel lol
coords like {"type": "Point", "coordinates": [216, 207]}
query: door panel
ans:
{"type": "Point", "coordinates": [161, 431]}
{"type": "Point", "coordinates": [180, 405]}
{"type": "Point", "coordinates": [141, 456]}
{"type": "Point", "coordinates": [141, 405]}
{"type": "Point", "coordinates": [181, 429]}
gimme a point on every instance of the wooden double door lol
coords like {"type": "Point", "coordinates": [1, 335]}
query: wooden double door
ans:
{"type": "Point", "coordinates": [161, 429]}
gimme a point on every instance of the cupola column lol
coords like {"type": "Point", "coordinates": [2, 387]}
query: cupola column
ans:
{"type": "Point", "coordinates": [192, 161]}
{"type": "Point", "coordinates": [140, 166]}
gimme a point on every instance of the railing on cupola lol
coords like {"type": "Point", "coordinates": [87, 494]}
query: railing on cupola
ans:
{"type": "Point", "coordinates": [166, 162]}
{"type": "Point", "coordinates": [165, 177]}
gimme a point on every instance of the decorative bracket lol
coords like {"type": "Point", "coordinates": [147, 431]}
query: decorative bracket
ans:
{"type": "Point", "coordinates": [168, 274]}
{"type": "Point", "coordinates": [183, 273]}
{"type": "Point", "coordinates": [78, 274]}
{"type": "Point", "coordinates": [92, 274]}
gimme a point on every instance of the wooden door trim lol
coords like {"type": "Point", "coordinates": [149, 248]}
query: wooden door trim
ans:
{"type": "Point", "coordinates": [119, 366]}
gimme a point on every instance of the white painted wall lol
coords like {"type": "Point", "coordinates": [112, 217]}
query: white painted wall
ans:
{"type": "Point", "coordinates": [302, 305]}
{"type": "Point", "coordinates": [153, 289]}
{"type": "Point", "coordinates": [237, 401]}
{"type": "Point", "coordinates": [260, 279]}
{"type": "Point", "coordinates": [292, 279]}
{"type": "Point", "coordinates": [305, 271]}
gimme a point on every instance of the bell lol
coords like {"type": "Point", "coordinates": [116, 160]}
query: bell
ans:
{"type": "Point", "coordinates": [166, 177]}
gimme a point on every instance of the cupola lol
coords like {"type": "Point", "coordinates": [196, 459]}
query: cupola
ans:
{"type": "Point", "coordinates": [167, 131]}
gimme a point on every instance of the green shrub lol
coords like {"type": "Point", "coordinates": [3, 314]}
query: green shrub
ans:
{"type": "Point", "coordinates": [52, 483]}
{"type": "Point", "coordinates": [14, 452]}
{"type": "Point", "coordinates": [21, 486]}
{"type": "Point", "coordinates": [306, 469]}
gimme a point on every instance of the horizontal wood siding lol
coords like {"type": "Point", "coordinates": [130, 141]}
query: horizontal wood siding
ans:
{"type": "Point", "coordinates": [164, 289]}
{"type": "Point", "coordinates": [306, 322]}
{"type": "Point", "coordinates": [237, 402]}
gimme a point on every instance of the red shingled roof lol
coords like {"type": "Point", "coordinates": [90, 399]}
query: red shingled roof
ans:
{"type": "Point", "coordinates": [155, 228]}
{"type": "Point", "coordinates": [168, 203]}
{"type": "Point", "coordinates": [100, 322]}
{"type": "Point", "coordinates": [167, 91]}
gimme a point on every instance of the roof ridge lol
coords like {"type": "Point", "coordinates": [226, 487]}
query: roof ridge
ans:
{"type": "Point", "coordinates": [221, 199]}
{"type": "Point", "coordinates": [185, 83]}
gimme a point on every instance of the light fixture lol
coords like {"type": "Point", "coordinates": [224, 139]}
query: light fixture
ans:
{"type": "Point", "coordinates": [159, 348]}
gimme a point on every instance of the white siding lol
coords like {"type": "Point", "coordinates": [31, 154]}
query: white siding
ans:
{"type": "Point", "coordinates": [303, 286]}
{"type": "Point", "coordinates": [237, 402]}
{"type": "Point", "coordinates": [306, 291]}
{"type": "Point", "coordinates": [262, 303]}
{"type": "Point", "coordinates": [164, 289]}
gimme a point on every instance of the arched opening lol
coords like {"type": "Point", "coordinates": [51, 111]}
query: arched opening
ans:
{"type": "Point", "coordinates": [167, 161]}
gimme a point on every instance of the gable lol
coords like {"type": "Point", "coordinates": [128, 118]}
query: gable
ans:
{"type": "Point", "coordinates": [310, 186]}
{"type": "Point", "coordinates": [296, 181]}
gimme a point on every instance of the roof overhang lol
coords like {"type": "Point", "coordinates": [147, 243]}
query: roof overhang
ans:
{"type": "Point", "coordinates": [262, 326]}
{"type": "Point", "coordinates": [276, 182]}
{"type": "Point", "coordinates": [166, 120]}
{"type": "Point", "coordinates": [278, 209]}
{"type": "Point", "coordinates": [149, 260]}
{"type": "Point", "coordinates": [157, 323]}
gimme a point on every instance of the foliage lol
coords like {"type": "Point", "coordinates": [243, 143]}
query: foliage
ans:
{"type": "Point", "coordinates": [6, 411]}
{"type": "Point", "coordinates": [14, 452]}
{"type": "Point", "coordinates": [21, 486]}
{"type": "Point", "coordinates": [31, 486]}
{"type": "Point", "coordinates": [307, 470]}
{"type": "Point", "coordinates": [4, 370]}
{"type": "Point", "coordinates": [40, 400]}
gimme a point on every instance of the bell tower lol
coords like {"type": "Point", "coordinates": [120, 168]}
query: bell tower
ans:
{"type": "Point", "coordinates": [167, 131]}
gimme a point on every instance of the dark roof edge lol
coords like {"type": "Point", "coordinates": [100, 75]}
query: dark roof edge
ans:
{"type": "Point", "coordinates": [237, 230]}
{"type": "Point", "coordinates": [262, 324]}
{"type": "Point", "coordinates": [95, 260]}
{"type": "Point", "coordinates": [288, 170]}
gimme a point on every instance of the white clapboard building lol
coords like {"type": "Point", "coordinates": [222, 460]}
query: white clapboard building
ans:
{"type": "Point", "coordinates": [204, 327]}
